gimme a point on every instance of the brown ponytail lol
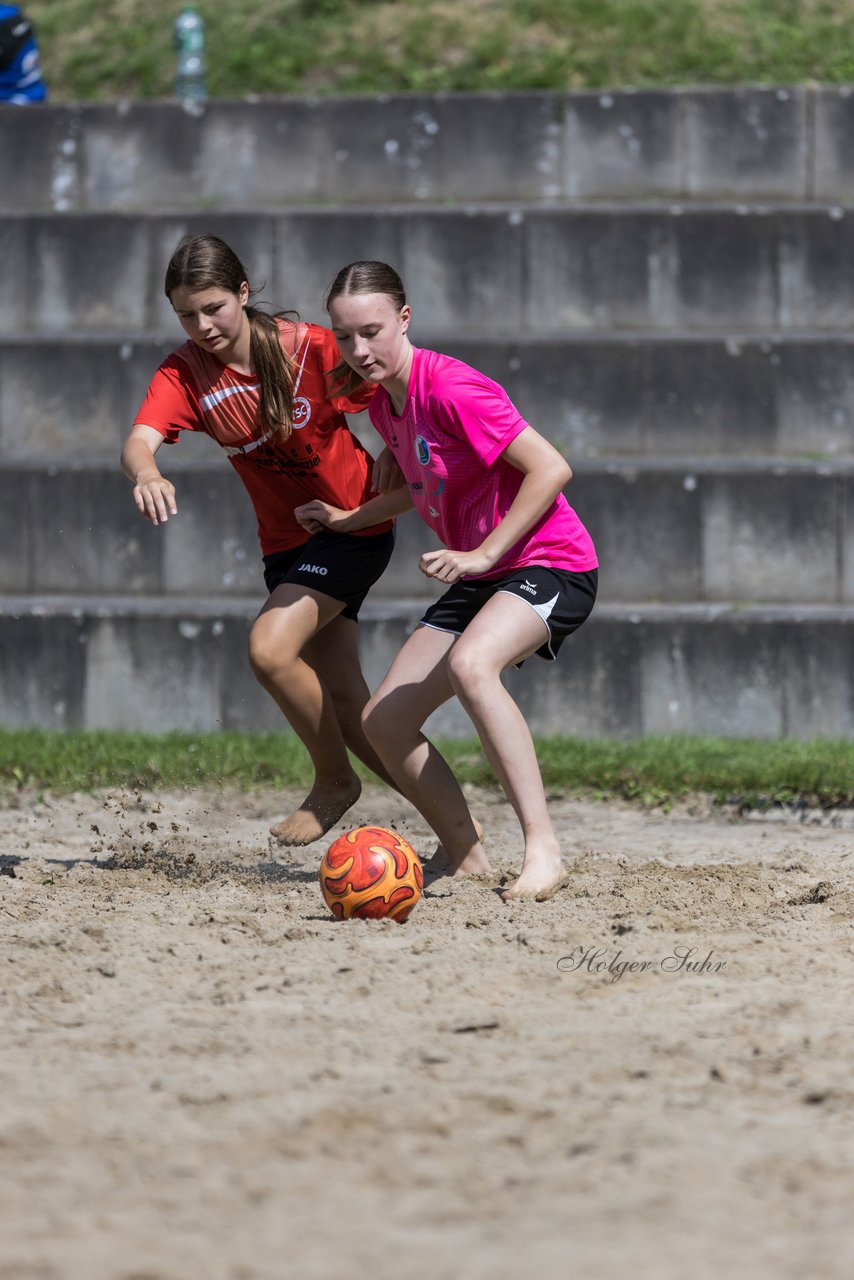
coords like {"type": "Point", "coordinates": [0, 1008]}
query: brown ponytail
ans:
{"type": "Point", "coordinates": [275, 370]}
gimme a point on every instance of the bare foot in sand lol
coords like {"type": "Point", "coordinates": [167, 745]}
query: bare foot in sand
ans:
{"type": "Point", "coordinates": [319, 811]}
{"type": "Point", "coordinates": [543, 875]}
{"type": "Point", "coordinates": [473, 863]}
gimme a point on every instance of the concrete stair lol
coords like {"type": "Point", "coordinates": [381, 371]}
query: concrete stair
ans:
{"type": "Point", "coordinates": [747, 143]}
{"type": "Point", "coordinates": [597, 395]}
{"type": "Point", "coordinates": [509, 269]}
{"type": "Point", "coordinates": [155, 663]}
{"type": "Point", "coordinates": [675, 531]}
{"type": "Point", "coordinates": [659, 279]}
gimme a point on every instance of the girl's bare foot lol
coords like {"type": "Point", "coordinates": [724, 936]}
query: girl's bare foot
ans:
{"type": "Point", "coordinates": [543, 875]}
{"type": "Point", "coordinates": [441, 860]}
{"type": "Point", "coordinates": [474, 863]}
{"type": "Point", "coordinates": [320, 810]}
{"type": "Point", "coordinates": [440, 857]}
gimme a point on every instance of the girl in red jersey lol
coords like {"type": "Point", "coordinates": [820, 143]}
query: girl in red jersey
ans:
{"type": "Point", "coordinates": [258, 384]}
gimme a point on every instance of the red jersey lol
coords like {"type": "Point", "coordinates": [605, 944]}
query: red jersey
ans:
{"type": "Point", "coordinates": [193, 391]}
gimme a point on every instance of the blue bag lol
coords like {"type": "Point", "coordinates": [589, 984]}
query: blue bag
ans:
{"type": "Point", "coordinates": [20, 68]}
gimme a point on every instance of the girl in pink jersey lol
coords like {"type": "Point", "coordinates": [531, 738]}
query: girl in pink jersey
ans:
{"type": "Point", "coordinates": [520, 567]}
{"type": "Point", "coordinates": [259, 385]}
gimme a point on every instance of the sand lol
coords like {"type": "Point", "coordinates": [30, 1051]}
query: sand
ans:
{"type": "Point", "coordinates": [205, 1077]}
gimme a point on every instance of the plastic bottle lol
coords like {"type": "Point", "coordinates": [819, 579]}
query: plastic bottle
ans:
{"type": "Point", "coordinates": [190, 56]}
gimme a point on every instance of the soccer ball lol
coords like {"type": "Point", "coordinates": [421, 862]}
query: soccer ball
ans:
{"type": "Point", "coordinates": [370, 873]}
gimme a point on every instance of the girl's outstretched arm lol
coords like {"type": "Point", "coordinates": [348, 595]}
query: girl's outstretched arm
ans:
{"type": "Point", "coordinates": [153, 494]}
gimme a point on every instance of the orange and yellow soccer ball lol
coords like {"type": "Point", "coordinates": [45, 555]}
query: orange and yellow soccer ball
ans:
{"type": "Point", "coordinates": [370, 873]}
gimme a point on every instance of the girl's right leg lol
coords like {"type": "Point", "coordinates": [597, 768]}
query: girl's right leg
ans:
{"type": "Point", "coordinates": [505, 631]}
{"type": "Point", "coordinates": [291, 618]}
{"type": "Point", "coordinates": [416, 684]}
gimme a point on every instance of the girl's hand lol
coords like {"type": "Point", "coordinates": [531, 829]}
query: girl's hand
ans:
{"type": "Point", "coordinates": [155, 498]}
{"type": "Point", "coordinates": [315, 516]}
{"type": "Point", "coordinates": [449, 566]}
{"type": "Point", "coordinates": [386, 475]}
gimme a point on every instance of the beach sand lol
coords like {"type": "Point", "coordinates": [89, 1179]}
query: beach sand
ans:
{"type": "Point", "coordinates": [205, 1077]}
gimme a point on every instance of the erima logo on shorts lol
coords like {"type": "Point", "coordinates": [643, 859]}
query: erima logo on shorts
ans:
{"type": "Point", "coordinates": [312, 568]}
{"type": "Point", "coordinates": [422, 450]}
{"type": "Point", "coordinates": [529, 586]}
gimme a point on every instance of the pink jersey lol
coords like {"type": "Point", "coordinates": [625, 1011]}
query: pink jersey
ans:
{"type": "Point", "coordinates": [448, 441]}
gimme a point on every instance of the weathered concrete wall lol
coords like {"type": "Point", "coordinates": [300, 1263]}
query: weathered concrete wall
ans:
{"type": "Point", "coordinates": [596, 396]}
{"type": "Point", "coordinates": [750, 143]}
{"type": "Point", "coordinates": [660, 280]}
{"type": "Point", "coordinates": [500, 270]}
{"type": "Point", "coordinates": [713, 532]}
{"type": "Point", "coordinates": [155, 665]}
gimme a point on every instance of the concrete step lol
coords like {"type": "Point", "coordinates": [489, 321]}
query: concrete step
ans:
{"type": "Point", "coordinates": [154, 665]}
{"type": "Point", "coordinates": [595, 395]}
{"type": "Point", "coordinates": [508, 270]}
{"type": "Point", "coordinates": [760, 530]}
{"type": "Point", "coordinates": [749, 142]}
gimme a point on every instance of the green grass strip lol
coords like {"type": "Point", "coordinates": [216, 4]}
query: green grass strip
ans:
{"type": "Point", "coordinates": [655, 770]}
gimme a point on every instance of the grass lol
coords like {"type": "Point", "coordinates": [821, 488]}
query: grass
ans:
{"type": "Point", "coordinates": [120, 48]}
{"type": "Point", "coordinates": [655, 770]}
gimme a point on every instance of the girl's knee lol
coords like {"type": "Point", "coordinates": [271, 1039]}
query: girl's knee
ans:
{"type": "Point", "coordinates": [266, 658]}
{"type": "Point", "coordinates": [370, 720]}
{"type": "Point", "coordinates": [466, 668]}
{"type": "Point", "coordinates": [258, 656]}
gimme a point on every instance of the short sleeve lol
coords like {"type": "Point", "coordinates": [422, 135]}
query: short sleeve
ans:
{"type": "Point", "coordinates": [171, 404]}
{"type": "Point", "coordinates": [476, 409]}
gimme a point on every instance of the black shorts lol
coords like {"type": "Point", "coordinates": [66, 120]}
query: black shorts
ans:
{"type": "Point", "coordinates": [339, 565]}
{"type": "Point", "coordinates": [563, 600]}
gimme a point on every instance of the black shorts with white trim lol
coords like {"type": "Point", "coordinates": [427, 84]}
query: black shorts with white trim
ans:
{"type": "Point", "coordinates": [563, 598]}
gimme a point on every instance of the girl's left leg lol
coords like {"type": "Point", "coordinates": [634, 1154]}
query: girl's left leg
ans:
{"type": "Point", "coordinates": [333, 655]}
{"type": "Point", "coordinates": [505, 631]}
